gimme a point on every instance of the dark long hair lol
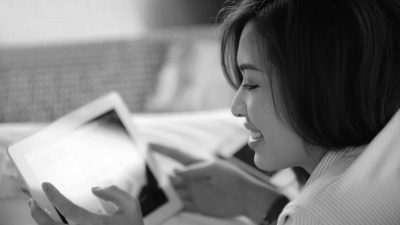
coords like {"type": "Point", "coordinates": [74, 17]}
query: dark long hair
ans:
{"type": "Point", "coordinates": [338, 63]}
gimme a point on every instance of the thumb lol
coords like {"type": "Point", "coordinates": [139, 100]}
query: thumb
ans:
{"type": "Point", "coordinates": [199, 171]}
{"type": "Point", "coordinates": [125, 202]}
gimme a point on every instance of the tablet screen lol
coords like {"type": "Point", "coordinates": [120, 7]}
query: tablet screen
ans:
{"type": "Point", "coordinates": [99, 153]}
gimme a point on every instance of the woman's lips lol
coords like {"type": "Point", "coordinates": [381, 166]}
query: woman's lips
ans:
{"type": "Point", "coordinates": [256, 136]}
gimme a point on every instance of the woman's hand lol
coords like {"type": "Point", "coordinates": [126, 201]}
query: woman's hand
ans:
{"type": "Point", "coordinates": [129, 212]}
{"type": "Point", "coordinates": [218, 188]}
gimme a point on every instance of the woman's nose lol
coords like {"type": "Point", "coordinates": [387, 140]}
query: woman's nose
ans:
{"type": "Point", "coordinates": [238, 106]}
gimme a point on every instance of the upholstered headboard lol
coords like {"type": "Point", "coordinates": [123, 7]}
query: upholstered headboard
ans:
{"type": "Point", "coordinates": [168, 70]}
{"type": "Point", "coordinates": [45, 82]}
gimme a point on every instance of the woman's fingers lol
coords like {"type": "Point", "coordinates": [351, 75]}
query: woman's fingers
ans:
{"type": "Point", "coordinates": [39, 215]}
{"type": "Point", "coordinates": [189, 206]}
{"type": "Point", "coordinates": [125, 202]}
{"type": "Point", "coordinates": [178, 155]}
{"type": "Point", "coordinates": [199, 171]}
{"type": "Point", "coordinates": [176, 181]}
{"type": "Point", "coordinates": [184, 194]}
{"type": "Point", "coordinates": [180, 187]}
{"type": "Point", "coordinates": [67, 208]}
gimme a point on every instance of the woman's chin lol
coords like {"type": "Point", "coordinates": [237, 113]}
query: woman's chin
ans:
{"type": "Point", "coordinates": [266, 164]}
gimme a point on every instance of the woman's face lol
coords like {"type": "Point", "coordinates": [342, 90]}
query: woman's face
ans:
{"type": "Point", "coordinates": [275, 144]}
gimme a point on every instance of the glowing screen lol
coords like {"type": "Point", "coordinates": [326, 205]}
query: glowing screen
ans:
{"type": "Point", "coordinates": [99, 153]}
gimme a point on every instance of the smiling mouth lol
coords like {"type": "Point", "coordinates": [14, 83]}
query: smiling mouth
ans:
{"type": "Point", "coordinates": [255, 135]}
{"type": "Point", "coordinates": [255, 139]}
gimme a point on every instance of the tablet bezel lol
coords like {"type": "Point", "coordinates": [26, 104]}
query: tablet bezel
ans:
{"type": "Point", "coordinates": [70, 122]}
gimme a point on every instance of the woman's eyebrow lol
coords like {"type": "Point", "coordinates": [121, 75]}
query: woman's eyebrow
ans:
{"type": "Point", "coordinates": [247, 66]}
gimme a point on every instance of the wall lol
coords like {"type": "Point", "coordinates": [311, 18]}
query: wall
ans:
{"type": "Point", "coordinates": [27, 22]}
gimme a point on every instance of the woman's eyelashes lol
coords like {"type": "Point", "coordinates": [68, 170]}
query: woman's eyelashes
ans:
{"type": "Point", "coordinates": [249, 87]}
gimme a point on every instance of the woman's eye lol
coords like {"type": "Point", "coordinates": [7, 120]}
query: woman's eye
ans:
{"type": "Point", "coordinates": [249, 87]}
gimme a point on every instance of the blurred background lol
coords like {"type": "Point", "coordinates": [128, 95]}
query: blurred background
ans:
{"type": "Point", "coordinates": [161, 55]}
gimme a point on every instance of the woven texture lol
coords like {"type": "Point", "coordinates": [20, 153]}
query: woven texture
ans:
{"type": "Point", "coordinates": [43, 83]}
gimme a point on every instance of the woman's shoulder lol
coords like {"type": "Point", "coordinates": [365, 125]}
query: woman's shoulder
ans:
{"type": "Point", "coordinates": [360, 187]}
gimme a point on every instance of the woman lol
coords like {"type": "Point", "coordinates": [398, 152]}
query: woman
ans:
{"type": "Point", "coordinates": [318, 83]}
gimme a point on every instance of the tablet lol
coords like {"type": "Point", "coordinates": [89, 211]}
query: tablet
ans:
{"type": "Point", "coordinates": [95, 145]}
